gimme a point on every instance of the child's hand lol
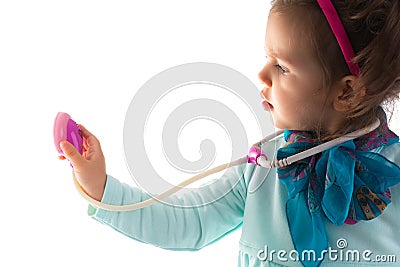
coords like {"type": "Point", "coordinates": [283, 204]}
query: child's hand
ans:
{"type": "Point", "coordinates": [90, 167]}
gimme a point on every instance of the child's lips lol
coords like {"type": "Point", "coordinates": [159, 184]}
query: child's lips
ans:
{"type": "Point", "coordinates": [267, 106]}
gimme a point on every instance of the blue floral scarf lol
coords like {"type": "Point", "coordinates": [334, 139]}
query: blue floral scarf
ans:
{"type": "Point", "coordinates": [346, 183]}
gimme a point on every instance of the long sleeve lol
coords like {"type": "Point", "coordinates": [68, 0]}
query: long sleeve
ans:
{"type": "Point", "coordinates": [175, 227]}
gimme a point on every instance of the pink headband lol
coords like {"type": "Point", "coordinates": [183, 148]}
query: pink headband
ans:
{"type": "Point", "coordinates": [340, 34]}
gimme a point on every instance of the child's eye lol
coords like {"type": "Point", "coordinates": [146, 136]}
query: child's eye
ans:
{"type": "Point", "coordinates": [281, 68]}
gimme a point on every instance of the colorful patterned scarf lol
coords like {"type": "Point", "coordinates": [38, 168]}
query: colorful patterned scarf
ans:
{"type": "Point", "coordinates": [346, 183]}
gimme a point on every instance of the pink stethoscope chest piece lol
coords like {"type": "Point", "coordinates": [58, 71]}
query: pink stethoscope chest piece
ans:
{"type": "Point", "coordinates": [67, 129]}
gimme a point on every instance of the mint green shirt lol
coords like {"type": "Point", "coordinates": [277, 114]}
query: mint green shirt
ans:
{"type": "Point", "coordinates": [255, 202]}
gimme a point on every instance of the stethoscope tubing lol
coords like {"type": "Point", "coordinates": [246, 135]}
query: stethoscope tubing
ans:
{"type": "Point", "coordinates": [261, 161]}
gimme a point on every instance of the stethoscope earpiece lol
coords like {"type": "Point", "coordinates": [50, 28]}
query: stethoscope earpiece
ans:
{"type": "Point", "coordinates": [254, 154]}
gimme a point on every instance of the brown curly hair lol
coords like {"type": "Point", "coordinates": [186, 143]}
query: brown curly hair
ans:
{"type": "Point", "coordinates": [373, 27]}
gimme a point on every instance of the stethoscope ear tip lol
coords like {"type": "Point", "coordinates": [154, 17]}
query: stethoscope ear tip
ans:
{"type": "Point", "coordinates": [254, 153]}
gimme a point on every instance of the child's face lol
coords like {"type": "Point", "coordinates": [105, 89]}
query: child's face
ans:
{"type": "Point", "coordinates": [292, 77]}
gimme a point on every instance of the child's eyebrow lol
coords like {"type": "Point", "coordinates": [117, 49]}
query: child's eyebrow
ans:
{"type": "Point", "coordinates": [278, 55]}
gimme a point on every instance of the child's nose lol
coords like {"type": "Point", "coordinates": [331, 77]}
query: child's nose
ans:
{"type": "Point", "coordinates": [264, 76]}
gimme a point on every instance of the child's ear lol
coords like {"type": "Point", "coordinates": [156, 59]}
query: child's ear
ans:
{"type": "Point", "coordinates": [348, 93]}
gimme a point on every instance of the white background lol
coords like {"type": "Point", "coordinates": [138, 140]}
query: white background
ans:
{"type": "Point", "coordinates": [88, 58]}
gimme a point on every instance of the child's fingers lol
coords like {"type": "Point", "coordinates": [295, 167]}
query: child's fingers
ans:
{"type": "Point", "coordinates": [92, 144]}
{"type": "Point", "coordinates": [85, 132]}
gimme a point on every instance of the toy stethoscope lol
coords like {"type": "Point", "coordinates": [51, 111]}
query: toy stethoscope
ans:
{"type": "Point", "coordinates": [67, 129]}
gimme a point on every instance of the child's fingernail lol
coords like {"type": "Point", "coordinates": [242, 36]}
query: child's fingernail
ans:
{"type": "Point", "coordinates": [62, 145]}
{"type": "Point", "coordinates": [61, 157]}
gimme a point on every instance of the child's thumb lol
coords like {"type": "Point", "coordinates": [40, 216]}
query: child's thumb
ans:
{"type": "Point", "coordinates": [71, 153]}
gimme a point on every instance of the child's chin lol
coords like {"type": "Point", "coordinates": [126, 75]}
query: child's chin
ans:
{"type": "Point", "coordinates": [276, 123]}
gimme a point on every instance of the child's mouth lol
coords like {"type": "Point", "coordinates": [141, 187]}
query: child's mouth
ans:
{"type": "Point", "coordinates": [267, 106]}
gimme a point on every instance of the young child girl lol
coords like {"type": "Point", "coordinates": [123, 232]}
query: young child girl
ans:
{"type": "Point", "coordinates": [330, 66]}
